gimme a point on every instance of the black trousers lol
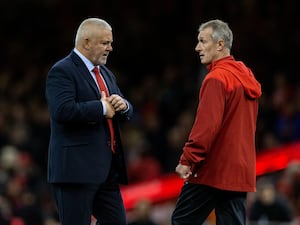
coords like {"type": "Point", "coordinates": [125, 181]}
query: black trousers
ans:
{"type": "Point", "coordinates": [197, 201]}
{"type": "Point", "coordinates": [77, 202]}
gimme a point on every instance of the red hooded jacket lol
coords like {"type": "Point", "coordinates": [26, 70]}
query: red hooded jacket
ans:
{"type": "Point", "coordinates": [221, 145]}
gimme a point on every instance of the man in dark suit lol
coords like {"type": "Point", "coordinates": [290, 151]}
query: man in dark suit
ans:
{"type": "Point", "coordinates": [86, 161]}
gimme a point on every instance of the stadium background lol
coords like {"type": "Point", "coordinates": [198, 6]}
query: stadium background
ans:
{"type": "Point", "coordinates": [159, 72]}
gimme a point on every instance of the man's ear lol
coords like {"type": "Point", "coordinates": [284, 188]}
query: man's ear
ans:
{"type": "Point", "coordinates": [220, 45]}
{"type": "Point", "coordinates": [86, 44]}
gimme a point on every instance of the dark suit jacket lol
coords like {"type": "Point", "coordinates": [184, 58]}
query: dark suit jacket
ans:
{"type": "Point", "coordinates": [79, 147]}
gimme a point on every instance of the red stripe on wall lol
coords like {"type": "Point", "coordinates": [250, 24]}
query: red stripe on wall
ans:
{"type": "Point", "coordinates": [168, 187]}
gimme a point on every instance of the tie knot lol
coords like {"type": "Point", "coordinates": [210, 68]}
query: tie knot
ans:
{"type": "Point", "coordinates": [96, 69]}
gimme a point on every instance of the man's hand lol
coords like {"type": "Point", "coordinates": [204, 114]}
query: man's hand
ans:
{"type": "Point", "coordinates": [110, 111]}
{"type": "Point", "coordinates": [183, 171]}
{"type": "Point", "coordinates": [117, 102]}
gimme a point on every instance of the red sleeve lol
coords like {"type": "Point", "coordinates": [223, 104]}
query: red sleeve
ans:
{"type": "Point", "coordinates": [207, 123]}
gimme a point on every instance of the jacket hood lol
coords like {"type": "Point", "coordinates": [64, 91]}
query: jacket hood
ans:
{"type": "Point", "coordinates": [241, 72]}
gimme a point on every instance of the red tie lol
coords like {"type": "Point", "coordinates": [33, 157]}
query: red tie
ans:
{"type": "Point", "coordinates": [103, 87]}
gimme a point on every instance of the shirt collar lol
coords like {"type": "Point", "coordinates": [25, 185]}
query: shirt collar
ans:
{"type": "Point", "coordinates": [85, 60]}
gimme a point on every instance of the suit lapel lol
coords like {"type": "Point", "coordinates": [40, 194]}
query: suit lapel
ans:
{"type": "Point", "coordinates": [108, 79]}
{"type": "Point", "coordinates": [85, 72]}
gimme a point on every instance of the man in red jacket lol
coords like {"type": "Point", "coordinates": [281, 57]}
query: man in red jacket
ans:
{"type": "Point", "coordinates": [218, 160]}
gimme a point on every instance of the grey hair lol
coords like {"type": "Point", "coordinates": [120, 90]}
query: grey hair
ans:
{"type": "Point", "coordinates": [220, 31]}
{"type": "Point", "coordinates": [83, 29]}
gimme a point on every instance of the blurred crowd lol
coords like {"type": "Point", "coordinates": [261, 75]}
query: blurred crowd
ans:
{"type": "Point", "coordinates": [159, 72]}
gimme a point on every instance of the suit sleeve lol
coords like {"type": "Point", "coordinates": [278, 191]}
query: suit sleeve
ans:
{"type": "Point", "coordinates": [129, 112]}
{"type": "Point", "coordinates": [61, 96]}
{"type": "Point", "coordinates": [207, 123]}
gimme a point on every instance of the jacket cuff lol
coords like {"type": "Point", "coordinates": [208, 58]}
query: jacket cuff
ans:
{"type": "Point", "coordinates": [184, 161]}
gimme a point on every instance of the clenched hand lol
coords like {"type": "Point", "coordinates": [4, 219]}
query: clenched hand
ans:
{"type": "Point", "coordinates": [118, 103]}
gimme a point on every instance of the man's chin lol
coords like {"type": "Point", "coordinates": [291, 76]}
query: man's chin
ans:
{"type": "Point", "coordinates": [203, 62]}
{"type": "Point", "coordinates": [103, 60]}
